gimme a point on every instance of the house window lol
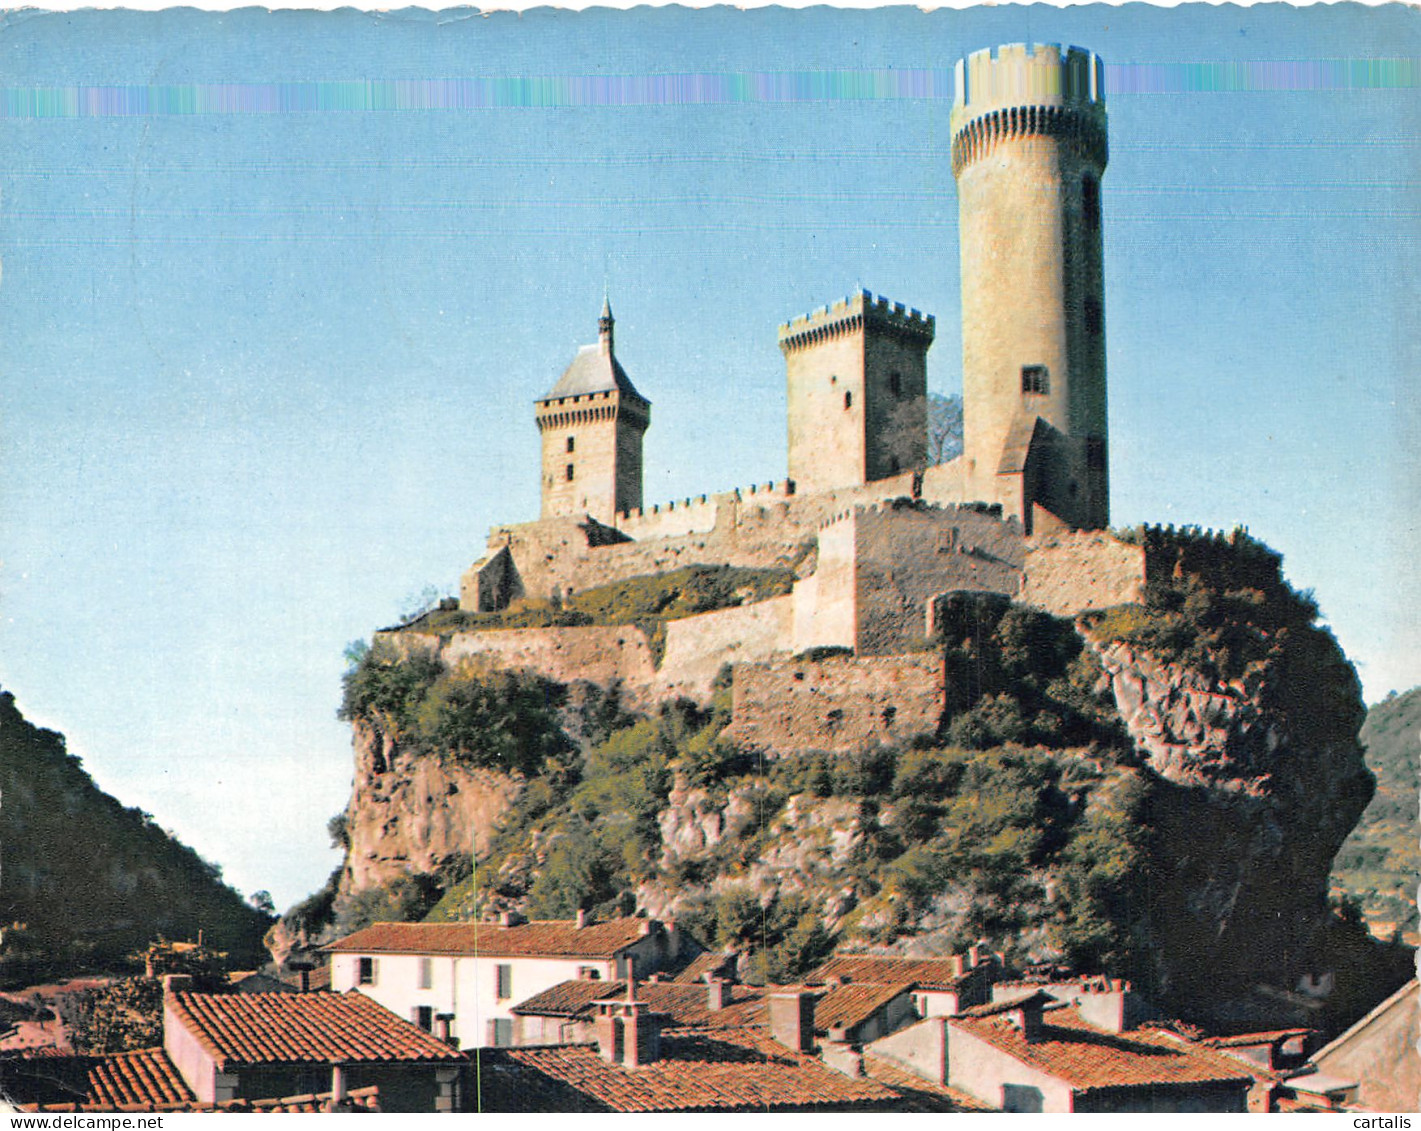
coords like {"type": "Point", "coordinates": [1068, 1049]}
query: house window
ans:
{"type": "Point", "coordinates": [503, 977]}
{"type": "Point", "coordinates": [1090, 202]}
{"type": "Point", "coordinates": [365, 971]}
{"type": "Point", "coordinates": [568, 474]}
{"type": "Point", "coordinates": [426, 973]}
{"type": "Point", "coordinates": [1035, 379]}
{"type": "Point", "coordinates": [848, 400]}
{"type": "Point", "coordinates": [500, 1031]}
{"type": "Point", "coordinates": [572, 443]}
{"type": "Point", "coordinates": [423, 1016]}
{"type": "Point", "coordinates": [589, 974]}
{"type": "Point", "coordinates": [1094, 318]}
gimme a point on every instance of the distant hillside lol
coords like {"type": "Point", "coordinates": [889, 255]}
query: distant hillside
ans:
{"type": "Point", "coordinates": [88, 882]}
{"type": "Point", "coordinates": [1379, 863]}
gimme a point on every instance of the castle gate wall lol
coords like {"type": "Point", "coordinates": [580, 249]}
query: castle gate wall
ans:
{"type": "Point", "coordinates": [1071, 573]}
{"type": "Point", "coordinates": [906, 555]}
{"type": "Point", "coordinates": [825, 604]}
{"type": "Point", "coordinates": [599, 654]}
{"type": "Point", "coordinates": [842, 703]}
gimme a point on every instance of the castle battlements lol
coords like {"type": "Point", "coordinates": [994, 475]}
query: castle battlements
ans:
{"type": "Point", "coordinates": [1023, 74]}
{"type": "Point", "coordinates": [853, 313]}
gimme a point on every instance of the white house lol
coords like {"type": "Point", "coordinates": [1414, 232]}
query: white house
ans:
{"type": "Point", "coordinates": [469, 976]}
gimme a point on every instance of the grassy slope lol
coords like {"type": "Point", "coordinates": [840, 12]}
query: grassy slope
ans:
{"type": "Point", "coordinates": [1381, 860]}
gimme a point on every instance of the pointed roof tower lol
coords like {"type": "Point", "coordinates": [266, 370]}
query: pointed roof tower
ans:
{"type": "Point", "coordinates": [595, 369]}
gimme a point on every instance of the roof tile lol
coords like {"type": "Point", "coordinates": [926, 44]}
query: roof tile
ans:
{"type": "Point", "coordinates": [542, 938]}
{"type": "Point", "coordinates": [728, 1070]}
{"type": "Point", "coordinates": [928, 973]}
{"type": "Point", "coordinates": [303, 1028]}
{"type": "Point", "coordinates": [1087, 1058]}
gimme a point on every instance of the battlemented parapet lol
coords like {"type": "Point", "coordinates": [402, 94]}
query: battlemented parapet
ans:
{"type": "Point", "coordinates": [1028, 151]}
{"type": "Point", "coordinates": [856, 372]}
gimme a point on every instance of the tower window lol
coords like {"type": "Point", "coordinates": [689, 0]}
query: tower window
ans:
{"type": "Point", "coordinates": [1035, 379]}
{"type": "Point", "coordinates": [568, 476]}
{"type": "Point", "coordinates": [895, 383]}
{"type": "Point", "coordinates": [1090, 202]}
{"type": "Point", "coordinates": [1095, 453]}
{"type": "Point", "coordinates": [572, 443]}
{"type": "Point", "coordinates": [1094, 319]}
{"type": "Point", "coordinates": [848, 400]}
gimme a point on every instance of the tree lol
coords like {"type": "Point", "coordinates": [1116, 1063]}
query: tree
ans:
{"type": "Point", "coordinates": [263, 902]}
{"type": "Point", "coordinates": [944, 428]}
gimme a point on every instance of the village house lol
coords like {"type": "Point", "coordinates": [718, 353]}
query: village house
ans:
{"type": "Point", "coordinates": [941, 986]}
{"type": "Point", "coordinates": [1036, 1054]}
{"type": "Point", "coordinates": [253, 1046]}
{"type": "Point", "coordinates": [463, 979]}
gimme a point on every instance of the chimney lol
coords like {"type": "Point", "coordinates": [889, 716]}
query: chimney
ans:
{"type": "Point", "coordinates": [582, 918]}
{"type": "Point", "coordinates": [338, 1087]}
{"type": "Point", "coordinates": [792, 1019]}
{"type": "Point", "coordinates": [974, 955]}
{"type": "Point", "coordinates": [718, 993]}
{"type": "Point", "coordinates": [627, 1034]}
{"type": "Point", "coordinates": [443, 1029]}
{"type": "Point", "coordinates": [959, 965]}
{"type": "Point", "coordinates": [176, 984]}
{"type": "Point", "coordinates": [510, 918]}
{"type": "Point", "coordinates": [1027, 1018]}
{"type": "Point", "coordinates": [1110, 1005]}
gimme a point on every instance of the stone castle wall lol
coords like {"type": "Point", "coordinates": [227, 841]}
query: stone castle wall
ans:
{"type": "Point", "coordinates": [838, 704]}
{"type": "Point", "coordinates": [1071, 573]}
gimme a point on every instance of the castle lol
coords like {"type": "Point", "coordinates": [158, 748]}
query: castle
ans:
{"type": "Point", "coordinates": [875, 537]}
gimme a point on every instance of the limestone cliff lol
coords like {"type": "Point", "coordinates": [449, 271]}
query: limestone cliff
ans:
{"type": "Point", "coordinates": [410, 814]}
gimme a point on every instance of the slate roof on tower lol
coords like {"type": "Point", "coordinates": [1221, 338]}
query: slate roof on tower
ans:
{"type": "Point", "coordinates": [595, 369]}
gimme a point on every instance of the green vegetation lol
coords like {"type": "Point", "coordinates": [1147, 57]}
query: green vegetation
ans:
{"type": "Point", "coordinates": [87, 880]}
{"type": "Point", "coordinates": [128, 1014]}
{"type": "Point", "coordinates": [647, 602]}
{"type": "Point", "coordinates": [1379, 863]}
{"type": "Point", "coordinates": [476, 713]}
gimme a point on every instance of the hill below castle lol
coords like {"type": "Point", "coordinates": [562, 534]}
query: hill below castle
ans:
{"type": "Point", "coordinates": [89, 882]}
{"type": "Point", "coordinates": [1156, 791]}
{"type": "Point", "coordinates": [1380, 861]}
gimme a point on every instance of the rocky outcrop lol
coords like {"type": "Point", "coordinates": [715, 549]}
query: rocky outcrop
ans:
{"type": "Point", "coordinates": [1249, 803]}
{"type": "Point", "coordinates": [414, 815]}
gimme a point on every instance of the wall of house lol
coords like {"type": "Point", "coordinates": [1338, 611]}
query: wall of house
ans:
{"type": "Point", "coordinates": [463, 985]}
{"type": "Point", "coordinates": [1180, 1098]}
{"type": "Point", "coordinates": [998, 1078]}
{"type": "Point", "coordinates": [1070, 573]}
{"type": "Point", "coordinates": [888, 1019]}
{"type": "Point", "coordinates": [1380, 1054]}
{"type": "Point", "coordinates": [194, 1063]}
{"type": "Point", "coordinates": [920, 1048]}
{"type": "Point", "coordinates": [840, 703]}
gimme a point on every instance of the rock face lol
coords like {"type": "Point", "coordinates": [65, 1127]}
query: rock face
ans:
{"type": "Point", "coordinates": [414, 815]}
{"type": "Point", "coordinates": [1249, 804]}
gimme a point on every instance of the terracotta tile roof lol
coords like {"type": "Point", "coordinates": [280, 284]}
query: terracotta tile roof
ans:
{"type": "Point", "coordinates": [684, 1005]}
{"type": "Point", "coordinates": [357, 1101]}
{"type": "Point", "coordinates": [1089, 1058]}
{"type": "Point", "coordinates": [924, 1095]}
{"type": "Point", "coordinates": [545, 938]}
{"type": "Point", "coordinates": [146, 1077]}
{"type": "Point", "coordinates": [1240, 1040]}
{"type": "Point", "coordinates": [729, 1070]}
{"type": "Point", "coordinates": [843, 1007]}
{"type": "Point", "coordinates": [708, 963]}
{"type": "Point", "coordinates": [302, 1028]}
{"type": "Point", "coordinates": [928, 973]}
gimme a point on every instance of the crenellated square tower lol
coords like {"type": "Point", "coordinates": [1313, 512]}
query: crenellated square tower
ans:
{"type": "Point", "coordinates": [858, 383]}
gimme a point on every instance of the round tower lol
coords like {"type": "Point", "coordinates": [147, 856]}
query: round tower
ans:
{"type": "Point", "coordinates": [1028, 151]}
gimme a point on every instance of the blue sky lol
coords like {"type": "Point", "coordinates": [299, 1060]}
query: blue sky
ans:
{"type": "Point", "coordinates": [269, 342]}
